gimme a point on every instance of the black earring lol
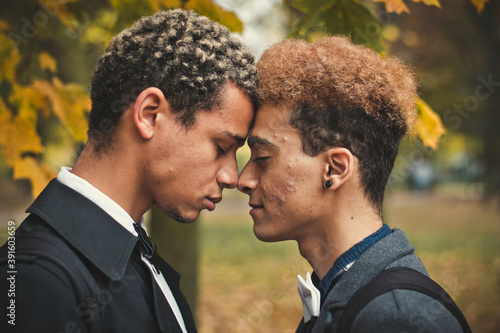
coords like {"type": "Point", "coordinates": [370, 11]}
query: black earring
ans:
{"type": "Point", "coordinates": [328, 184]}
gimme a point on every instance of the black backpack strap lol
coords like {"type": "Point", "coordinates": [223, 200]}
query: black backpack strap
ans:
{"type": "Point", "coordinates": [44, 249]}
{"type": "Point", "coordinates": [398, 278]}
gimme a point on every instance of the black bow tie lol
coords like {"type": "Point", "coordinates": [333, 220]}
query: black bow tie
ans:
{"type": "Point", "coordinates": [148, 247]}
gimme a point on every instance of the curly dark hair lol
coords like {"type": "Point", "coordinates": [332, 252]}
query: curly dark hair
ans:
{"type": "Point", "coordinates": [343, 95]}
{"type": "Point", "coordinates": [187, 56]}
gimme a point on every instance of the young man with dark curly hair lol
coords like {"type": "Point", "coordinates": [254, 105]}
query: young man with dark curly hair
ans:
{"type": "Point", "coordinates": [326, 134]}
{"type": "Point", "coordinates": [173, 98]}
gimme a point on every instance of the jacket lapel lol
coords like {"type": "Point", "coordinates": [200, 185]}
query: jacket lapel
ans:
{"type": "Point", "coordinates": [173, 280]}
{"type": "Point", "coordinates": [306, 327]}
{"type": "Point", "coordinates": [164, 314]}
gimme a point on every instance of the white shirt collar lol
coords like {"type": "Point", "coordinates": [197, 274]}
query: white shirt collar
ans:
{"type": "Point", "coordinates": [100, 199]}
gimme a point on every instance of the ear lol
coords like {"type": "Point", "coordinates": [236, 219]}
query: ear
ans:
{"type": "Point", "coordinates": [339, 167]}
{"type": "Point", "coordinates": [145, 110]}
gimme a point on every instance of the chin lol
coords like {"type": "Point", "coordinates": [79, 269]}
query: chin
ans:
{"type": "Point", "coordinates": [266, 236]}
{"type": "Point", "coordinates": [181, 217]}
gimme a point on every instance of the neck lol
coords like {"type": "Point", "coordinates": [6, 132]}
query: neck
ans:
{"type": "Point", "coordinates": [114, 175]}
{"type": "Point", "coordinates": [337, 235]}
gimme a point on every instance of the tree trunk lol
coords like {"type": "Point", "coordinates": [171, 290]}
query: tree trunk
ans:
{"type": "Point", "coordinates": [178, 244]}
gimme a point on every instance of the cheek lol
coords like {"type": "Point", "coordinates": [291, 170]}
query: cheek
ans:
{"type": "Point", "coordinates": [281, 187]}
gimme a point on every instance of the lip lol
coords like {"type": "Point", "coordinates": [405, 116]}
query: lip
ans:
{"type": "Point", "coordinates": [255, 208]}
{"type": "Point", "coordinates": [211, 202]}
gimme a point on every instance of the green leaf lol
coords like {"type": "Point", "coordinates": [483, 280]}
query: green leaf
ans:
{"type": "Point", "coordinates": [339, 17]}
{"type": "Point", "coordinates": [357, 22]}
{"type": "Point", "coordinates": [311, 7]}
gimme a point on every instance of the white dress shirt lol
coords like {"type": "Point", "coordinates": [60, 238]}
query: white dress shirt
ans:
{"type": "Point", "coordinates": [125, 220]}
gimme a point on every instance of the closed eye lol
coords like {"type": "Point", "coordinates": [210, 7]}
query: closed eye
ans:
{"type": "Point", "coordinates": [260, 159]}
{"type": "Point", "coordinates": [221, 151]}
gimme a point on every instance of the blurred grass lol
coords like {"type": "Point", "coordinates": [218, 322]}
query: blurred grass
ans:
{"type": "Point", "coordinates": [250, 286]}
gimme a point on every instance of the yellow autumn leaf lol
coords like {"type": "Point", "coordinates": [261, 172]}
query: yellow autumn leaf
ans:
{"type": "Point", "coordinates": [9, 59]}
{"type": "Point", "coordinates": [164, 4]}
{"type": "Point", "coordinates": [171, 3]}
{"type": "Point", "coordinates": [75, 103]}
{"type": "Point", "coordinates": [155, 4]}
{"type": "Point", "coordinates": [396, 6]}
{"type": "Point", "coordinates": [37, 172]}
{"type": "Point", "coordinates": [479, 4]}
{"type": "Point", "coordinates": [5, 124]}
{"type": "Point", "coordinates": [47, 62]}
{"type": "Point", "coordinates": [68, 102]}
{"type": "Point", "coordinates": [29, 102]}
{"type": "Point", "coordinates": [215, 12]}
{"type": "Point", "coordinates": [429, 2]}
{"type": "Point", "coordinates": [429, 125]}
{"type": "Point", "coordinates": [47, 90]}
{"type": "Point", "coordinates": [17, 136]}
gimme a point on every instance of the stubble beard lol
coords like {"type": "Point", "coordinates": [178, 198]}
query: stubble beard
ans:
{"type": "Point", "coordinates": [176, 214]}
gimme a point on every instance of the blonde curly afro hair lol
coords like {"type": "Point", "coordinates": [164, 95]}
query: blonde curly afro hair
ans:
{"type": "Point", "coordinates": [186, 55]}
{"type": "Point", "coordinates": [342, 95]}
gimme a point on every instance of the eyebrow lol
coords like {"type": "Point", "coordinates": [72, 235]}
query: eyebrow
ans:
{"type": "Point", "coordinates": [255, 140]}
{"type": "Point", "coordinates": [239, 140]}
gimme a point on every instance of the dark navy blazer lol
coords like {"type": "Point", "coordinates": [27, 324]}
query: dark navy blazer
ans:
{"type": "Point", "coordinates": [131, 300]}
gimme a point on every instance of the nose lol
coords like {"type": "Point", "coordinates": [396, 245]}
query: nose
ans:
{"type": "Point", "coordinates": [247, 181]}
{"type": "Point", "coordinates": [228, 175]}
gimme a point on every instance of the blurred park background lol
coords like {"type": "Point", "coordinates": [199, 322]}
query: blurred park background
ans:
{"type": "Point", "coordinates": [444, 191]}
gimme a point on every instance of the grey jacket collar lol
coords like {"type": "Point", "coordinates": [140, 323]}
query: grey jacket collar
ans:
{"type": "Point", "coordinates": [375, 259]}
{"type": "Point", "coordinates": [88, 228]}
{"type": "Point", "coordinates": [393, 250]}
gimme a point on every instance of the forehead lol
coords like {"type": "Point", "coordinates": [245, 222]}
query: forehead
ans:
{"type": "Point", "coordinates": [271, 124]}
{"type": "Point", "coordinates": [234, 114]}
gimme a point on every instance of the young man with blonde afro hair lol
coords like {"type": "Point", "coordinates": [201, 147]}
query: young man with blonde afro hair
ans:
{"type": "Point", "coordinates": [330, 119]}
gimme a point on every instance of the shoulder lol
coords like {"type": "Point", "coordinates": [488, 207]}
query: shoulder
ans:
{"type": "Point", "coordinates": [42, 299]}
{"type": "Point", "coordinates": [34, 273]}
{"type": "Point", "coordinates": [405, 310]}
{"type": "Point", "coordinates": [40, 259]}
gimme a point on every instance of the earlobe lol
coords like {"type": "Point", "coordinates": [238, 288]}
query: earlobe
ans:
{"type": "Point", "coordinates": [339, 167]}
{"type": "Point", "coordinates": [146, 109]}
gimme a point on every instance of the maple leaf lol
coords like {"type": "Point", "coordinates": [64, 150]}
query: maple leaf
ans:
{"type": "Point", "coordinates": [37, 172]}
{"type": "Point", "coordinates": [429, 2]}
{"type": "Point", "coordinates": [9, 59]}
{"type": "Point", "coordinates": [69, 102]}
{"type": "Point", "coordinates": [17, 135]}
{"type": "Point", "coordinates": [396, 6]}
{"type": "Point", "coordinates": [429, 126]}
{"type": "Point", "coordinates": [47, 62]}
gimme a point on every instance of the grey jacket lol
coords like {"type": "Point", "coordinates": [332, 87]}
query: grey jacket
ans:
{"type": "Point", "coordinates": [395, 311]}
